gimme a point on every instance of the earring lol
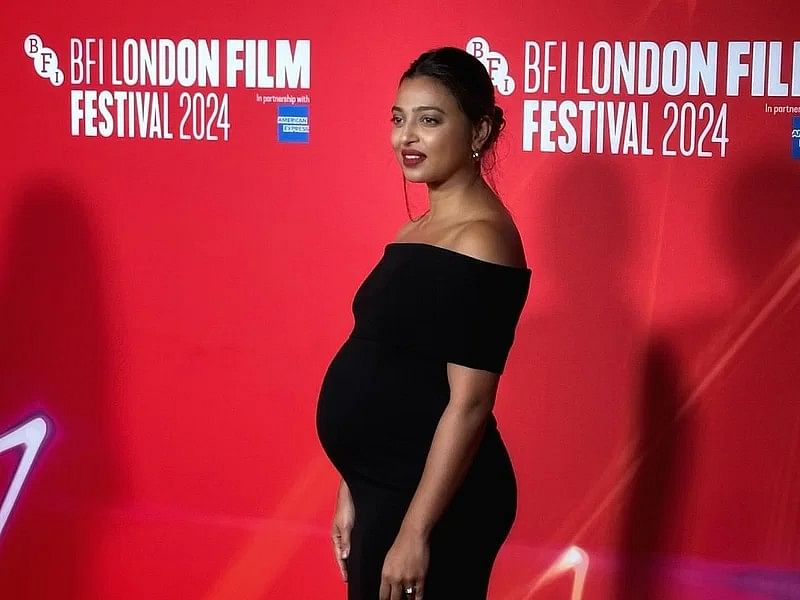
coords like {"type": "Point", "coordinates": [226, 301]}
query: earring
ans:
{"type": "Point", "coordinates": [475, 155]}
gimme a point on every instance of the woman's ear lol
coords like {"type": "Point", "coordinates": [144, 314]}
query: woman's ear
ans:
{"type": "Point", "coordinates": [481, 132]}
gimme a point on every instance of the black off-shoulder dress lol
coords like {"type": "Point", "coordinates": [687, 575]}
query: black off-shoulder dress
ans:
{"type": "Point", "coordinates": [384, 392]}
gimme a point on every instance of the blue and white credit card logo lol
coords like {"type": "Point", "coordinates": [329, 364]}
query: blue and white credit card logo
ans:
{"type": "Point", "coordinates": [293, 124]}
{"type": "Point", "coordinates": [795, 137]}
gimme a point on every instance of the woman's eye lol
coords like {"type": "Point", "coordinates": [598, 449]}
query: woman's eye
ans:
{"type": "Point", "coordinates": [427, 120]}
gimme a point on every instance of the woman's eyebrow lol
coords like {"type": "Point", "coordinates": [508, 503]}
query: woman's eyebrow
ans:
{"type": "Point", "coordinates": [419, 108]}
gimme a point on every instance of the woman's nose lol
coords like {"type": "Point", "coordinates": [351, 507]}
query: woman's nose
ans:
{"type": "Point", "coordinates": [408, 133]}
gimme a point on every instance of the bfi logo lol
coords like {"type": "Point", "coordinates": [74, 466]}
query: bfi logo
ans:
{"type": "Point", "coordinates": [795, 137]}
{"type": "Point", "coordinates": [495, 63]}
{"type": "Point", "coordinates": [45, 60]}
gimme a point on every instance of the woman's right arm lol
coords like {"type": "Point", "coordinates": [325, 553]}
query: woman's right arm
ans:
{"type": "Point", "coordinates": [343, 520]}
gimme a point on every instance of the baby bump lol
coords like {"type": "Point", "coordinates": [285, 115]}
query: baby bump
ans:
{"type": "Point", "coordinates": [380, 404]}
{"type": "Point", "coordinates": [346, 386]}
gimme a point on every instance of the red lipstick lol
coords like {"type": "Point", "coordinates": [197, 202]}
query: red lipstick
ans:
{"type": "Point", "coordinates": [412, 158]}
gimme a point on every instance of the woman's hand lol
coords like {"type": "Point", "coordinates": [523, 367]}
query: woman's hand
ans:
{"type": "Point", "coordinates": [405, 565]}
{"type": "Point", "coordinates": [343, 520]}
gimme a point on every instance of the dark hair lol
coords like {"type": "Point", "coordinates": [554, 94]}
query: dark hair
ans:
{"type": "Point", "coordinates": [469, 82]}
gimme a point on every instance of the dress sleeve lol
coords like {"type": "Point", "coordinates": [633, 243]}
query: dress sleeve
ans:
{"type": "Point", "coordinates": [483, 303]}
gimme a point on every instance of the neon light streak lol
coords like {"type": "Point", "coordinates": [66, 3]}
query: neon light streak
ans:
{"type": "Point", "coordinates": [30, 436]}
{"type": "Point", "coordinates": [573, 559]}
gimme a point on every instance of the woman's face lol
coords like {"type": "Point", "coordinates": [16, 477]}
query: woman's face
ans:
{"type": "Point", "coordinates": [431, 136]}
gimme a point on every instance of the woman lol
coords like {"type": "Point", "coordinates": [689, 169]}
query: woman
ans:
{"type": "Point", "coordinates": [428, 493]}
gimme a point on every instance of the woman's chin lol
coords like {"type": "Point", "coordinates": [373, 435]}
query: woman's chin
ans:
{"type": "Point", "coordinates": [415, 176]}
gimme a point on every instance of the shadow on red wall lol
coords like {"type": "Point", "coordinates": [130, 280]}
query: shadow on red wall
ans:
{"type": "Point", "coordinates": [54, 360]}
{"type": "Point", "coordinates": [719, 416]}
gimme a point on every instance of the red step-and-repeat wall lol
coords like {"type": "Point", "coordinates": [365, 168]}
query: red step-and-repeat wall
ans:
{"type": "Point", "coordinates": [192, 192]}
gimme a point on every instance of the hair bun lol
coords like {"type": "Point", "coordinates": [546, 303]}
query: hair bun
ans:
{"type": "Point", "coordinates": [499, 120]}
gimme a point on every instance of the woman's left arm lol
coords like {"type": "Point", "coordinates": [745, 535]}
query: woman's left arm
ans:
{"type": "Point", "coordinates": [455, 443]}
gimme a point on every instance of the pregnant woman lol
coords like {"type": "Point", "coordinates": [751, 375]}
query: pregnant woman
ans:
{"type": "Point", "coordinates": [428, 493]}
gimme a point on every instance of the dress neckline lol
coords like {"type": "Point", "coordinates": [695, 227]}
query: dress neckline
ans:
{"type": "Point", "coordinates": [455, 253]}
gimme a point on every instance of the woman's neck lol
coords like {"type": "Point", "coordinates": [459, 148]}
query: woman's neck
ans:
{"type": "Point", "coordinates": [456, 198]}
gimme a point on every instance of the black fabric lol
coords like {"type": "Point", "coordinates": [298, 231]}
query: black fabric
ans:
{"type": "Point", "coordinates": [480, 305]}
{"type": "Point", "coordinates": [384, 392]}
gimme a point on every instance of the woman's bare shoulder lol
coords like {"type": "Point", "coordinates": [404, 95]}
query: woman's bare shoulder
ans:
{"type": "Point", "coordinates": [493, 240]}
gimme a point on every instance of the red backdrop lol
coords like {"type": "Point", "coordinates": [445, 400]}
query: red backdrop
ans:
{"type": "Point", "coordinates": [168, 306]}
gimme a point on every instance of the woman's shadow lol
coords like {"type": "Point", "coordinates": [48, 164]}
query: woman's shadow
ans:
{"type": "Point", "coordinates": [54, 362]}
{"type": "Point", "coordinates": [661, 459]}
{"type": "Point", "coordinates": [677, 504]}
